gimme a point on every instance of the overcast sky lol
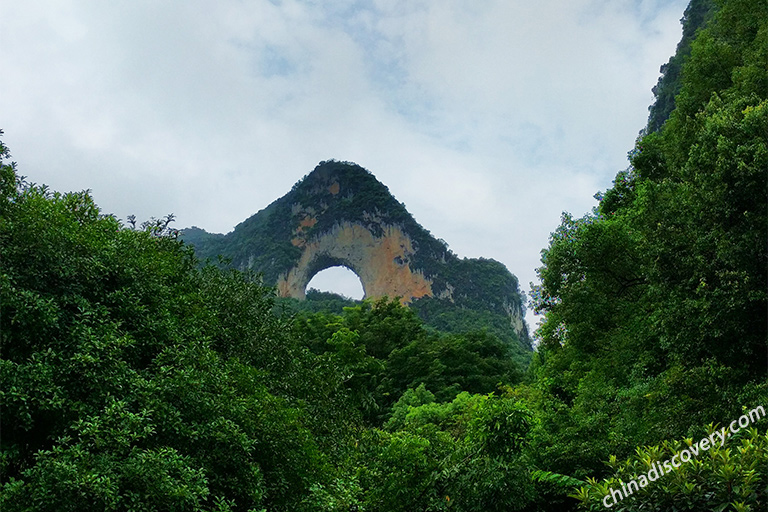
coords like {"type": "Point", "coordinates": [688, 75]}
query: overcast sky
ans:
{"type": "Point", "coordinates": [487, 118]}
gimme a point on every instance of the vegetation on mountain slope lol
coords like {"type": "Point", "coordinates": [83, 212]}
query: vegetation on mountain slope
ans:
{"type": "Point", "coordinates": [655, 304]}
{"type": "Point", "coordinates": [696, 16]}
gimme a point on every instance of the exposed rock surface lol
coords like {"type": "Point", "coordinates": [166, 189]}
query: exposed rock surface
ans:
{"type": "Point", "coordinates": [378, 261]}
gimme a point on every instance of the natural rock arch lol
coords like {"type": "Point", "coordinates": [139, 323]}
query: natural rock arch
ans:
{"type": "Point", "coordinates": [340, 214]}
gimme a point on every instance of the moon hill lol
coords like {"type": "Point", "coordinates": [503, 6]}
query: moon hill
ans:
{"type": "Point", "coordinates": [341, 215]}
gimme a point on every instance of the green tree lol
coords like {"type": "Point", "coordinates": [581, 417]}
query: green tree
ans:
{"type": "Point", "coordinates": [132, 380]}
{"type": "Point", "coordinates": [655, 303]}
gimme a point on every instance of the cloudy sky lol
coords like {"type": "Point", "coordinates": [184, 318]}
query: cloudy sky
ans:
{"type": "Point", "coordinates": [487, 118]}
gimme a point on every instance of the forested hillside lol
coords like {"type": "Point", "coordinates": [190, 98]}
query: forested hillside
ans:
{"type": "Point", "coordinates": [655, 303]}
{"type": "Point", "coordinates": [696, 16]}
{"type": "Point", "coordinates": [133, 378]}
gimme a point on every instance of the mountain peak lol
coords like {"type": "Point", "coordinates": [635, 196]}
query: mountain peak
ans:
{"type": "Point", "coordinates": [341, 215]}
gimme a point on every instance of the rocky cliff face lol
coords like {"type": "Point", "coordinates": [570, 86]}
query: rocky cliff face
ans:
{"type": "Point", "coordinates": [340, 215]}
{"type": "Point", "coordinates": [380, 262]}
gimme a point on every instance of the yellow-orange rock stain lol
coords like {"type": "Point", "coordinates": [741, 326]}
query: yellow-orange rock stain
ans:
{"type": "Point", "coordinates": [373, 259]}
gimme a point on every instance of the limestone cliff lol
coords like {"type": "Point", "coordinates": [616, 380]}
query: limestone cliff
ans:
{"type": "Point", "coordinates": [378, 261]}
{"type": "Point", "coordinates": [340, 215]}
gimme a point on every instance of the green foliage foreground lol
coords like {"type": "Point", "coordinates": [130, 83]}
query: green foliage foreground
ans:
{"type": "Point", "coordinates": [656, 306]}
{"type": "Point", "coordinates": [131, 379]}
{"type": "Point", "coordinates": [729, 476]}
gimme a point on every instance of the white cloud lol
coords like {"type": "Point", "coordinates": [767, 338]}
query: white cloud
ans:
{"type": "Point", "coordinates": [486, 118]}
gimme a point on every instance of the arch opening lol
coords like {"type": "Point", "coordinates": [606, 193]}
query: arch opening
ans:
{"type": "Point", "coordinates": [338, 279]}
